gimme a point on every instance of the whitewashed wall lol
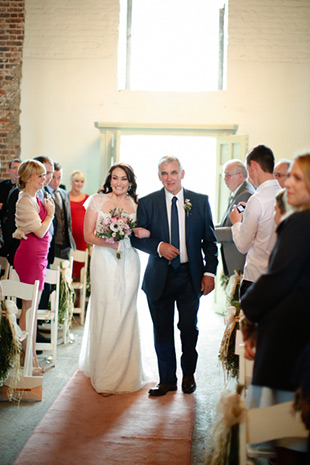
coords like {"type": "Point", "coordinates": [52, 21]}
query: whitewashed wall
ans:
{"type": "Point", "coordinates": [69, 81]}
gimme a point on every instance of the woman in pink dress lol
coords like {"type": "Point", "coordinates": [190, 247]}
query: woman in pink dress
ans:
{"type": "Point", "coordinates": [77, 199]}
{"type": "Point", "coordinates": [33, 219]}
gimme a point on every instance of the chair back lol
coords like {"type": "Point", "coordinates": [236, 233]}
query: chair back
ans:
{"type": "Point", "coordinates": [263, 424]}
{"type": "Point", "coordinates": [267, 424]}
{"type": "Point", "coordinates": [51, 315]}
{"type": "Point", "coordinates": [14, 289]}
{"type": "Point", "coordinates": [80, 256]}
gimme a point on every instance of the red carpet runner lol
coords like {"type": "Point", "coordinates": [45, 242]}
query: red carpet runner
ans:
{"type": "Point", "coordinates": [82, 427]}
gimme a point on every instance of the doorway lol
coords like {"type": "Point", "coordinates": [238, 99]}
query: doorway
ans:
{"type": "Point", "coordinates": [197, 155]}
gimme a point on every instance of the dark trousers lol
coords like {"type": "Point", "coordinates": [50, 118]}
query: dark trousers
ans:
{"type": "Point", "coordinates": [62, 252]}
{"type": "Point", "coordinates": [178, 290]}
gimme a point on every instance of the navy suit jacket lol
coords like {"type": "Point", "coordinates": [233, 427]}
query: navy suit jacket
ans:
{"type": "Point", "coordinates": [200, 240]}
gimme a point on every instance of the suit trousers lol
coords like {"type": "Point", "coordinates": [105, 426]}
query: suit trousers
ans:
{"type": "Point", "coordinates": [178, 290]}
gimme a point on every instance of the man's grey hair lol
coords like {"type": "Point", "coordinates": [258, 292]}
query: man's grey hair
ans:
{"type": "Point", "coordinates": [285, 161]}
{"type": "Point", "coordinates": [239, 166]}
{"type": "Point", "coordinates": [169, 159]}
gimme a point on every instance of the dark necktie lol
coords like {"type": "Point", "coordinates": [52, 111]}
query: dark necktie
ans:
{"type": "Point", "coordinates": [175, 237]}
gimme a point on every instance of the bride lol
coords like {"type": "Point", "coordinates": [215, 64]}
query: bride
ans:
{"type": "Point", "coordinates": [110, 353]}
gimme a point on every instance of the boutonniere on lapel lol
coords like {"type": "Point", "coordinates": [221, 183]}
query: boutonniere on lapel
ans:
{"type": "Point", "coordinates": [187, 206]}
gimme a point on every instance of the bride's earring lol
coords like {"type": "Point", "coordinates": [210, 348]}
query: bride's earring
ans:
{"type": "Point", "coordinates": [129, 188]}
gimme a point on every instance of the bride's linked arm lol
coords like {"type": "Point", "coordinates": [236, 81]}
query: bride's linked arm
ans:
{"type": "Point", "coordinates": [141, 233]}
{"type": "Point", "coordinates": [90, 228]}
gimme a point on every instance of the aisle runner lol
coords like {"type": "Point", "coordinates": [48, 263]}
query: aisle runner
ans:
{"type": "Point", "coordinates": [82, 427]}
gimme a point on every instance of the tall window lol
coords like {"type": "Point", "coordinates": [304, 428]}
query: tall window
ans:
{"type": "Point", "coordinates": [172, 45]}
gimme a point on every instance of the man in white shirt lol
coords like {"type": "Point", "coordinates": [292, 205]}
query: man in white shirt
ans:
{"type": "Point", "coordinates": [254, 229]}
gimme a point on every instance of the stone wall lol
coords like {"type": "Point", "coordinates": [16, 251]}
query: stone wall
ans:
{"type": "Point", "coordinates": [12, 23]}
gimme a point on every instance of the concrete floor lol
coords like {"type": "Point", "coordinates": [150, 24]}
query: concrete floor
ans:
{"type": "Point", "coordinates": [17, 422]}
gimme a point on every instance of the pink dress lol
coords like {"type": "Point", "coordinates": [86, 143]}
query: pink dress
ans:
{"type": "Point", "coordinates": [30, 260]}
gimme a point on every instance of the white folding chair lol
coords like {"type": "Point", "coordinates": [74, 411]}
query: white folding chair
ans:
{"type": "Point", "coordinates": [263, 424]}
{"type": "Point", "coordinates": [65, 267]}
{"type": "Point", "coordinates": [267, 424]}
{"type": "Point", "coordinates": [14, 289]}
{"type": "Point", "coordinates": [80, 256]}
{"type": "Point", "coordinates": [52, 277]}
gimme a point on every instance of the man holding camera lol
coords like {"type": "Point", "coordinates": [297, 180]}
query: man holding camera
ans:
{"type": "Point", "coordinates": [254, 230]}
{"type": "Point", "coordinates": [235, 177]}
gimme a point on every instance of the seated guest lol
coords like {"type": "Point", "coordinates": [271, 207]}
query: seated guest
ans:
{"type": "Point", "coordinates": [77, 199]}
{"type": "Point", "coordinates": [277, 324]}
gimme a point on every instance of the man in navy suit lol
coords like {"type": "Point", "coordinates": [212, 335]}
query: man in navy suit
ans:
{"type": "Point", "coordinates": [180, 269]}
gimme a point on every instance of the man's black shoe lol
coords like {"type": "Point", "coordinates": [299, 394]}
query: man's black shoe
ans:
{"type": "Point", "coordinates": [162, 389]}
{"type": "Point", "coordinates": [188, 384]}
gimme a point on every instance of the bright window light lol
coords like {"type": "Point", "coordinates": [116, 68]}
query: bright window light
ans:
{"type": "Point", "coordinates": [171, 45]}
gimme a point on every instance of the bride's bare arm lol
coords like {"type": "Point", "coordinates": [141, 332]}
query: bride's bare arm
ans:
{"type": "Point", "coordinates": [89, 231]}
{"type": "Point", "coordinates": [141, 233]}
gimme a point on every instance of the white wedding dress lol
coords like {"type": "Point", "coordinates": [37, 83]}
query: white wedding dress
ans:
{"type": "Point", "coordinates": [111, 350]}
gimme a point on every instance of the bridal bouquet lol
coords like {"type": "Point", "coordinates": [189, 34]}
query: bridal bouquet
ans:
{"type": "Point", "coordinates": [115, 226]}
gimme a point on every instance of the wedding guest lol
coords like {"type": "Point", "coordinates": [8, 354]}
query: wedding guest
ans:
{"type": "Point", "coordinates": [64, 241]}
{"type": "Point", "coordinates": [254, 230]}
{"type": "Point", "coordinates": [276, 308]}
{"type": "Point", "coordinates": [280, 171]}
{"type": "Point", "coordinates": [6, 187]}
{"type": "Point", "coordinates": [77, 199]}
{"type": "Point", "coordinates": [110, 353]}
{"type": "Point", "coordinates": [48, 288]}
{"type": "Point", "coordinates": [235, 177]}
{"type": "Point", "coordinates": [33, 219]}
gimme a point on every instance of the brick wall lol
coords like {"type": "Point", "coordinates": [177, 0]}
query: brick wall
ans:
{"type": "Point", "coordinates": [11, 48]}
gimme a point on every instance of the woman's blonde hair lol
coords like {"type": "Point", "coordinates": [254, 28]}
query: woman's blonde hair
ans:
{"type": "Point", "coordinates": [303, 162]}
{"type": "Point", "coordinates": [26, 170]}
{"type": "Point", "coordinates": [77, 173]}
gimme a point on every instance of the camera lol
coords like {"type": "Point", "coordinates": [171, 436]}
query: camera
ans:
{"type": "Point", "coordinates": [240, 208]}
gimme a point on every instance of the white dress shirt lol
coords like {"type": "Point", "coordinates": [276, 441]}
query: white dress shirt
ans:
{"type": "Point", "coordinates": [255, 235]}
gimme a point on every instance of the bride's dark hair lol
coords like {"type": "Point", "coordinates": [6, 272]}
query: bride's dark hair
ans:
{"type": "Point", "coordinates": [106, 188]}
